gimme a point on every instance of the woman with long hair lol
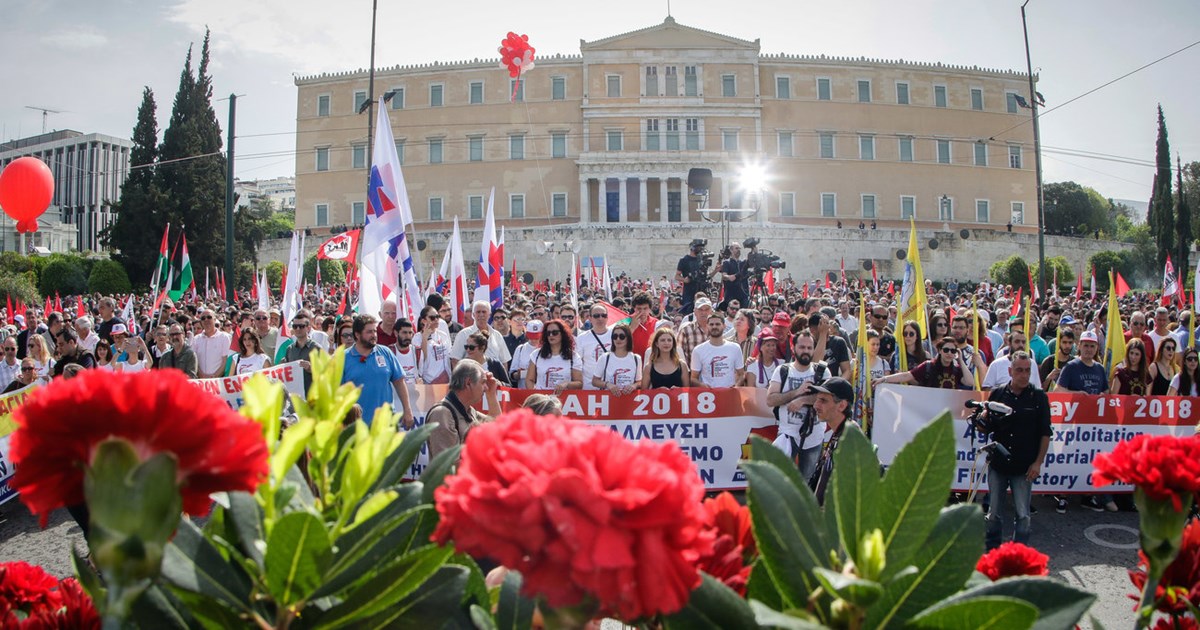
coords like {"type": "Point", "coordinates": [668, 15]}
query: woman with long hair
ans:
{"type": "Point", "coordinates": [250, 356]}
{"type": "Point", "coordinates": [939, 326]}
{"type": "Point", "coordinates": [433, 349]}
{"type": "Point", "coordinates": [767, 360]}
{"type": "Point", "coordinates": [620, 369]}
{"type": "Point", "coordinates": [132, 353]}
{"type": "Point", "coordinates": [42, 360]}
{"type": "Point", "coordinates": [104, 356]}
{"type": "Point", "coordinates": [1164, 367]}
{"type": "Point", "coordinates": [556, 366]}
{"type": "Point", "coordinates": [476, 347]}
{"type": "Point", "coordinates": [911, 345]}
{"type": "Point", "coordinates": [742, 335]}
{"type": "Point", "coordinates": [1132, 376]}
{"type": "Point", "coordinates": [665, 368]}
{"type": "Point", "coordinates": [877, 367]}
{"type": "Point", "coordinates": [1187, 381]}
{"type": "Point", "coordinates": [345, 335]}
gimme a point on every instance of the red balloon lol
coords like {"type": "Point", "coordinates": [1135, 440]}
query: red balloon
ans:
{"type": "Point", "coordinates": [26, 189]}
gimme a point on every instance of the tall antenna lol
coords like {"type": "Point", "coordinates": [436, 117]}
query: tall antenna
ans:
{"type": "Point", "coordinates": [46, 111]}
{"type": "Point", "coordinates": [668, 8]}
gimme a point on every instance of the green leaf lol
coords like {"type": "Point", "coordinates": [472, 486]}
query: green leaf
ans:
{"type": "Point", "coordinates": [714, 606]}
{"type": "Point", "coordinates": [768, 617]}
{"type": "Point", "coordinates": [788, 527]}
{"type": "Point", "coordinates": [482, 618]}
{"type": "Point", "coordinates": [1059, 605]}
{"type": "Point", "coordinates": [300, 496]}
{"type": "Point", "coordinates": [857, 591]}
{"type": "Point", "coordinates": [372, 505]}
{"type": "Point", "coordinates": [193, 564]}
{"type": "Point", "coordinates": [513, 612]}
{"type": "Point", "coordinates": [855, 483]}
{"type": "Point", "coordinates": [760, 586]}
{"type": "Point", "coordinates": [439, 467]}
{"type": "Point", "coordinates": [390, 539]}
{"type": "Point", "coordinates": [158, 608]}
{"type": "Point", "coordinates": [297, 553]}
{"type": "Point", "coordinates": [384, 590]}
{"type": "Point", "coordinates": [401, 459]}
{"type": "Point", "coordinates": [979, 613]}
{"type": "Point", "coordinates": [434, 605]}
{"type": "Point", "coordinates": [246, 517]}
{"type": "Point", "coordinates": [914, 489]}
{"type": "Point", "coordinates": [944, 562]}
{"type": "Point", "coordinates": [477, 590]}
{"type": "Point", "coordinates": [88, 578]}
{"type": "Point", "coordinates": [762, 450]}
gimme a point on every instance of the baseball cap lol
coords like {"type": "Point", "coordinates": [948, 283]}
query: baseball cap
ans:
{"type": "Point", "coordinates": [533, 328]}
{"type": "Point", "coordinates": [1089, 336]}
{"type": "Point", "coordinates": [119, 329]}
{"type": "Point", "coordinates": [837, 387]}
{"type": "Point", "coordinates": [767, 335]}
{"type": "Point", "coordinates": [782, 319]}
{"type": "Point", "coordinates": [1066, 320]}
{"type": "Point", "coordinates": [702, 302]}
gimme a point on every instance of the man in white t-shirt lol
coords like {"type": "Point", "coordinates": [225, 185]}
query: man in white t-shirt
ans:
{"type": "Point", "coordinates": [801, 433]}
{"type": "Point", "coordinates": [405, 353]}
{"type": "Point", "coordinates": [481, 311]}
{"type": "Point", "coordinates": [211, 347]}
{"type": "Point", "coordinates": [716, 362]}
{"type": "Point", "coordinates": [1162, 318]}
{"type": "Point", "coordinates": [592, 344]}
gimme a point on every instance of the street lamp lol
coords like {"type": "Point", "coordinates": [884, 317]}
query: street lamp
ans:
{"type": "Point", "coordinates": [555, 248]}
{"type": "Point", "coordinates": [1037, 160]}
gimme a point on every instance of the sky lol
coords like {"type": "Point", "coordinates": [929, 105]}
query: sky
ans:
{"type": "Point", "coordinates": [90, 60]}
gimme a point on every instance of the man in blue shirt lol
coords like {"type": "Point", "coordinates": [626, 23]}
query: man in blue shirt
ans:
{"type": "Point", "coordinates": [376, 370]}
{"type": "Point", "coordinates": [1083, 373]}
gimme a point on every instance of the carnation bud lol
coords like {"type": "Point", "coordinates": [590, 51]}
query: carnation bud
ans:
{"type": "Point", "coordinates": [872, 555]}
{"type": "Point", "coordinates": [1161, 527]}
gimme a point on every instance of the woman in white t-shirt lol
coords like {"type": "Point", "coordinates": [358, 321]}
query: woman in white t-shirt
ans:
{"type": "Point", "coordinates": [132, 354]}
{"type": "Point", "coordinates": [1185, 382]}
{"type": "Point", "coordinates": [433, 349]}
{"type": "Point", "coordinates": [250, 357]}
{"type": "Point", "coordinates": [104, 356]}
{"type": "Point", "coordinates": [555, 366]}
{"type": "Point", "coordinates": [619, 370]}
{"type": "Point", "coordinates": [766, 360]}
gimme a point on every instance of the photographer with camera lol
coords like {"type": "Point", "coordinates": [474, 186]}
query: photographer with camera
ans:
{"type": "Point", "coordinates": [733, 275]}
{"type": "Point", "coordinates": [692, 273]}
{"type": "Point", "coordinates": [1021, 438]}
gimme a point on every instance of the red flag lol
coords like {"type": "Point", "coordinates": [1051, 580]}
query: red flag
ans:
{"type": "Point", "coordinates": [1122, 287]}
{"type": "Point", "coordinates": [46, 310]}
{"type": "Point", "coordinates": [233, 342]}
{"type": "Point", "coordinates": [805, 296]}
{"type": "Point", "coordinates": [875, 276]}
{"type": "Point", "coordinates": [1079, 287]}
{"type": "Point", "coordinates": [10, 312]}
{"type": "Point", "coordinates": [843, 271]}
{"type": "Point", "coordinates": [769, 280]}
{"type": "Point", "coordinates": [827, 281]}
{"type": "Point", "coordinates": [1016, 307]}
{"type": "Point", "coordinates": [341, 309]}
{"type": "Point", "coordinates": [891, 287]}
{"type": "Point", "coordinates": [1032, 287]}
{"type": "Point", "coordinates": [159, 300]}
{"type": "Point", "coordinates": [342, 246]}
{"type": "Point", "coordinates": [21, 309]}
{"type": "Point", "coordinates": [79, 310]}
{"type": "Point", "coordinates": [57, 303]}
{"type": "Point", "coordinates": [254, 286]}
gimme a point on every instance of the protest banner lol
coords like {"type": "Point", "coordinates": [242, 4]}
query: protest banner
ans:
{"type": "Point", "coordinates": [9, 402]}
{"type": "Point", "coordinates": [1083, 427]}
{"type": "Point", "coordinates": [229, 388]}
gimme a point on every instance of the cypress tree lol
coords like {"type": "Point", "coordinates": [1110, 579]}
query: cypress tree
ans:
{"type": "Point", "coordinates": [135, 232]}
{"type": "Point", "coordinates": [1183, 224]}
{"type": "Point", "coordinates": [1160, 216]}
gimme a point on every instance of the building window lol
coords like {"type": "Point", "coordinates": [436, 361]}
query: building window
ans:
{"type": "Point", "coordinates": [787, 204]}
{"type": "Point", "coordinates": [516, 147]}
{"type": "Point", "coordinates": [868, 206]}
{"type": "Point", "coordinates": [400, 151]}
{"type": "Point", "coordinates": [1014, 156]}
{"type": "Point", "coordinates": [826, 144]}
{"type": "Point", "coordinates": [783, 87]}
{"type": "Point", "coordinates": [728, 85]}
{"type": "Point", "coordinates": [829, 204]}
{"type": "Point", "coordinates": [558, 145]}
{"type": "Point", "coordinates": [322, 214]}
{"type": "Point", "coordinates": [476, 93]}
{"type": "Point", "coordinates": [558, 88]}
{"type": "Point", "coordinates": [729, 140]}
{"type": "Point", "coordinates": [672, 81]}
{"type": "Point", "coordinates": [435, 151]}
{"type": "Point", "coordinates": [360, 97]}
{"type": "Point", "coordinates": [977, 99]}
{"type": "Point", "coordinates": [516, 206]}
{"type": "Point", "coordinates": [982, 211]}
{"type": "Point", "coordinates": [672, 134]}
{"type": "Point", "coordinates": [435, 95]}
{"type": "Point", "coordinates": [866, 147]}
{"type": "Point", "coordinates": [824, 89]}
{"type": "Point", "coordinates": [906, 149]}
{"type": "Point", "coordinates": [945, 209]}
{"type": "Point", "coordinates": [435, 208]}
{"type": "Point", "coordinates": [908, 207]}
{"type": "Point", "coordinates": [475, 148]}
{"type": "Point", "coordinates": [614, 85]}
{"type": "Point", "coordinates": [692, 134]}
{"type": "Point", "coordinates": [516, 90]}
{"type": "Point", "coordinates": [864, 91]}
{"type": "Point", "coordinates": [785, 144]}
{"type": "Point", "coordinates": [475, 207]}
{"type": "Point", "coordinates": [981, 153]}
{"type": "Point", "coordinates": [1018, 213]}
{"type": "Point", "coordinates": [398, 98]}
{"type": "Point", "coordinates": [322, 158]}
{"type": "Point", "coordinates": [939, 96]}
{"type": "Point", "coordinates": [902, 93]}
{"type": "Point", "coordinates": [943, 151]}
{"type": "Point", "coordinates": [1010, 102]}
{"type": "Point", "coordinates": [358, 156]}
{"type": "Point", "coordinates": [358, 212]}
{"type": "Point", "coordinates": [651, 80]}
{"type": "Point", "coordinates": [616, 141]}
{"type": "Point", "coordinates": [323, 105]}
{"type": "Point", "coordinates": [558, 204]}
{"type": "Point", "coordinates": [691, 86]}
{"type": "Point", "coordinates": [653, 140]}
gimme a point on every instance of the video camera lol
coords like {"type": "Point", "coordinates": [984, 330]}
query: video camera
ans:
{"type": "Point", "coordinates": [985, 419]}
{"type": "Point", "coordinates": [759, 261]}
{"type": "Point", "coordinates": [699, 275]}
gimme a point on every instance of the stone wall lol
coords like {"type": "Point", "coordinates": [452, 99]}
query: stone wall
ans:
{"type": "Point", "coordinates": [809, 251]}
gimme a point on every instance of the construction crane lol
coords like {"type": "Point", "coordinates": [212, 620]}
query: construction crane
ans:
{"type": "Point", "coordinates": [46, 111]}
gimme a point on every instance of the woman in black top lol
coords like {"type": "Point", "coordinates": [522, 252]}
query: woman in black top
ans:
{"type": "Point", "coordinates": [476, 345]}
{"type": "Point", "coordinates": [1164, 368]}
{"type": "Point", "coordinates": [664, 368]}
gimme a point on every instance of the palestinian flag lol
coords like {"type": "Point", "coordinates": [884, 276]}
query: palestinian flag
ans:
{"type": "Point", "coordinates": [160, 267]}
{"type": "Point", "coordinates": [186, 281]}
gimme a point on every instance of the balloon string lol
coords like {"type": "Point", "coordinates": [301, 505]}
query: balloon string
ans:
{"type": "Point", "coordinates": [537, 158]}
{"type": "Point", "coordinates": [516, 85]}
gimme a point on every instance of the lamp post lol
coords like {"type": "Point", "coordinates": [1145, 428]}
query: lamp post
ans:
{"type": "Point", "coordinates": [1037, 160]}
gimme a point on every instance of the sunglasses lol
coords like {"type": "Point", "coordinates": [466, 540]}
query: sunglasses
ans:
{"type": "Point", "coordinates": [259, 318]}
{"type": "Point", "coordinates": [471, 347]}
{"type": "Point", "coordinates": [207, 317]}
{"type": "Point", "coordinates": [878, 316]}
{"type": "Point", "coordinates": [348, 335]}
{"type": "Point", "coordinates": [910, 334]}
{"type": "Point", "coordinates": [28, 369]}
{"type": "Point", "coordinates": [599, 315]}
{"type": "Point", "coordinates": [569, 317]}
{"type": "Point", "coordinates": [553, 331]}
{"type": "Point", "coordinates": [620, 337]}
{"type": "Point", "coordinates": [949, 350]}
{"type": "Point", "coordinates": [299, 325]}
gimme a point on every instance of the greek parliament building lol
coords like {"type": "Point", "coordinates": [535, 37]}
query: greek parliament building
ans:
{"type": "Point", "coordinates": [606, 138]}
{"type": "Point", "coordinates": [88, 172]}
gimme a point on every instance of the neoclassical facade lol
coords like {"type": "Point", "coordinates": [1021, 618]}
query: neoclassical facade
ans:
{"type": "Point", "coordinates": [608, 137]}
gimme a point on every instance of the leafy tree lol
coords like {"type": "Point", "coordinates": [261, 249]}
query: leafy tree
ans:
{"type": "Point", "coordinates": [1072, 209]}
{"type": "Point", "coordinates": [1160, 214]}
{"type": "Point", "coordinates": [1066, 277]}
{"type": "Point", "coordinates": [108, 277]}
{"type": "Point", "coordinates": [62, 276]}
{"type": "Point", "coordinates": [1183, 223]}
{"type": "Point", "coordinates": [253, 225]}
{"type": "Point", "coordinates": [19, 287]}
{"type": "Point", "coordinates": [332, 271]}
{"type": "Point", "coordinates": [1191, 190]}
{"type": "Point", "coordinates": [140, 218]}
{"type": "Point", "coordinates": [275, 275]}
{"type": "Point", "coordinates": [1012, 270]}
{"type": "Point", "coordinates": [1107, 260]}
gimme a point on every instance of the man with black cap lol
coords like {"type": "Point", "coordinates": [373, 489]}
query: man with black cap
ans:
{"type": "Point", "coordinates": [834, 400]}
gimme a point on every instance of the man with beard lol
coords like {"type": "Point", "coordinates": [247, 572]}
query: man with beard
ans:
{"type": "Point", "coordinates": [733, 278]}
{"type": "Point", "coordinates": [971, 359]}
{"type": "Point", "coordinates": [405, 353]}
{"type": "Point", "coordinates": [481, 311]}
{"type": "Point", "coordinates": [792, 395]}
{"type": "Point", "coordinates": [998, 373]}
{"type": "Point", "coordinates": [108, 318]}
{"type": "Point", "coordinates": [70, 352]}
{"type": "Point", "coordinates": [837, 352]}
{"type": "Point", "coordinates": [717, 362]}
{"type": "Point", "coordinates": [878, 323]}
{"type": "Point", "coordinates": [690, 274]}
{"type": "Point", "coordinates": [262, 327]}
{"type": "Point", "coordinates": [376, 370]}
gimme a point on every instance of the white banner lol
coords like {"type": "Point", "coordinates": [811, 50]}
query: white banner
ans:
{"type": "Point", "coordinates": [9, 402]}
{"type": "Point", "coordinates": [229, 388]}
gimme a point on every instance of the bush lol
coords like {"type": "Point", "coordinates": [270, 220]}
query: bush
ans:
{"type": "Point", "coordinates": [62, 276]}
{"type": "Point", "coordinates": [275, 275]}
{"type": "Point", "coordinates": [109, 278]}
{"type": "Point", "coordinates": [19, 287]}
{"type": "Point", "coordinates": [1012, 270]}
{"type": "Point", "coordinates": [1066, 278]}
{"type": "Point", "coordinates": [332, 271]}
{"type": "Point", "coordinates": [1108, 260]}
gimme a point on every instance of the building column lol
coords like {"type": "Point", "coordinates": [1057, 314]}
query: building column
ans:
{"type": "Point", "coordinates": [584, 198]}
{"type": "Point", "coordinates": [662, 199]}
{"type": "Point", "coordinates": [622, 199]}
{"type": "Point", "coordinates": [643, 210]}
{"type": "Point", "coordinates": [725, 190]}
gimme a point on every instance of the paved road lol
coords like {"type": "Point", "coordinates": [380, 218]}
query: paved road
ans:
{"type": "Point", "coordinates": [1088, 549]}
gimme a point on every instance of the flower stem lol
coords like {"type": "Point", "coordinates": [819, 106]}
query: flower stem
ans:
{"type": "Point", "coordinates": [1145, 612]}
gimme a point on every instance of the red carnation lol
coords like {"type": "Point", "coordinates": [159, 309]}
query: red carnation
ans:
{"type": "Point", "coordinates": [582, 513]}
{"type": "Point", "coordinates": [1013, 559]}
{"type": "Point", "coordinates": [734, 549]}
{"type": "Point", "coordinates": [60, 426]}
{"type": "Point", "coordinates": [732, 518]}
{"type": "Point", "coordinates": [1177, 623]}
{"type": "Point", "coordinates": [27, 587]}
{"type": "Point", "coordinates": [1181, 580]}
{"type": "Point", "coordinates": [1162, 466]}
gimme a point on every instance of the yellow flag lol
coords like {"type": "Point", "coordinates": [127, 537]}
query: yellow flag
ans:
{"type": "Point", "coordinates": [975, 321]}
{"type": "Point", "coordinates": [1114, 343]}
{"type": "Point", "coordinates": [912, 291]}
{"type": "Point", "coordinates": [1028, 332]}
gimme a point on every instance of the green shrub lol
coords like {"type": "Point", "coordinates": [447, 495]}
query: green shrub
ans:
{"type": "Point", "coordinates": [275, 275]}
{"type": "Point", "coordinates": [19, 287]}
{"type": "Point", "coordinates": [108, 277]}
{"type": "Point", "coordinates": [62, 276]}
{"type": "Point", "coordinates": [332, 271]}
{"type": "Point", "coordinates": [1012, 270]}
{"type": "Point", "coordinates": [1066, 278]}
